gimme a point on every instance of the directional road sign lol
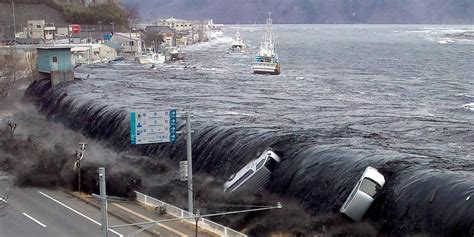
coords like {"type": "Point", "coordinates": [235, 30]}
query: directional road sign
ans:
{"type": "Point", "coordinates": [153, 126]}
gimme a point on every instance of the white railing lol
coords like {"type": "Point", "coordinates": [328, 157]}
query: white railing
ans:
{"type": "Point", "coordinates": [180, 213]}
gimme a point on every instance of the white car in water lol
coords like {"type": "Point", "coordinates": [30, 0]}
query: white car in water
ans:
{"type": "Point", "coordinates": [362, 194]}
{"type": "Point", "coordinates": [255, 175]}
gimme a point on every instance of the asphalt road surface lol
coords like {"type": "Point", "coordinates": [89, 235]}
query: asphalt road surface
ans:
{"type": "Point", "coordinates": [39, 212]}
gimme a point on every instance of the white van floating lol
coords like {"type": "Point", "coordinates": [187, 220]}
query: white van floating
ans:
{"type": "Point", "coordinates": [363, 194]}
{"type": "Point", "coordinates": [255, 175]}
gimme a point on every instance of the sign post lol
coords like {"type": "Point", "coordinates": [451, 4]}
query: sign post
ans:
{"type": "Point", "coordinates": [153, 127]}
{"type": "Point", "coordinates": [157, 127]}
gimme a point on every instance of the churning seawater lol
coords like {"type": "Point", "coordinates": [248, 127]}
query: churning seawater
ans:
{"type": "Point", "coordinates": [398, 98]}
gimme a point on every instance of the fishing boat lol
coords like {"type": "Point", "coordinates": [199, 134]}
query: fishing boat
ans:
{"type": "Point", "coordinates": [175, 54]}
{"type": "Point", "coordinates": [154, 58]}
{"type": "Point", "coordinates": [238, 43]}
{"type": "Point", "coordinates": [266, 60]}
{"type": "Point", "coordinates": [151, 58]}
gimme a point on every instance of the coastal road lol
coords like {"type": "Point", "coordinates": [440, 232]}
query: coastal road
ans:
{"type": "Point", "coordinates": [40, 212]}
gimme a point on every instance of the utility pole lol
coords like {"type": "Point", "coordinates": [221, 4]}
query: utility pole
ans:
{"type": "Point", "coordinates": [190, 162]}
{"type": "Point", "coordinates": [88, 36]}
{"type": "Point", "coordinates": [103, 204]}
{"type": "Point", "coordinates": [12, 126]}
{"type": "Point", "coordinates": [69, 33]}
{"type": "Point", "coordinates": [197, 220]}
{"type": "Point", "coordinates": [77, 164]}
{"type": "Point", "coordinates": [14, 21]}
{"type": "Point", "coordinates": [131, 42]}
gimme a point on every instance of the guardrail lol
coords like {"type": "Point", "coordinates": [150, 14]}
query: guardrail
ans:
{"type": "Point", "coordinates": [180, 213]}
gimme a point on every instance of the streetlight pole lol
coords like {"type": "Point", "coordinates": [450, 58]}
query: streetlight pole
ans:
{"type": "Point", "coordinates": [14, 21]}
{"type": "Point", "coordinates": [103, 204]}
{"type": "Point", "coordinates": [190, 162]}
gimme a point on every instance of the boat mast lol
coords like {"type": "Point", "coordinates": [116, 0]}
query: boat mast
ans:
{"type": "Point", "coordinates": [268, 43]}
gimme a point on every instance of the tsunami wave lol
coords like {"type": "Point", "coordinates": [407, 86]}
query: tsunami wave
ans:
{"type": "Point", "coordinates": [424, 193]}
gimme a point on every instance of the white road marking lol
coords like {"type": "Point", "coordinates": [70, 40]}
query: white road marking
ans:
{"type": "Point", "coordinates": [33, 219]}
{"type": "Point", "coordinates": [88, 218]}
{"type": "Point", "coordinates": [3, 200]}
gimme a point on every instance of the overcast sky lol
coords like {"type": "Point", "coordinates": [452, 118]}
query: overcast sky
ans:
{"type": "Point", "coordinates": [313, 11]}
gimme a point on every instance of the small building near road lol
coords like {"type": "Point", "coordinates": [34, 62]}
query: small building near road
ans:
{"type": "Point", "coordinates": [181, 38]}
{"type": "Point", "coordinates": [56, 61]}
{"type": "Point", "coordinates": [130, 43]}
{"type": "Point", "coordinates": [92, 53]}
{"type": "Point", "coordinates": [35, 29]}
{"type": "Point", "coordinates": [166, 32]}
{"type": "Point", "coordinates": [49, 32]}
{"type": "Point", "coordinates": [158, 29]}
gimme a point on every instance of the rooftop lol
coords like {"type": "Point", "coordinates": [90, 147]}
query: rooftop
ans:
{"type": "Point", "coordinates": [54, 47]}
{"type": "Point", "coordinates": [134, 36]}
{"type": "Point", "coordinates": [162, 29]}
{"type": "Point", "coordinates": [173, 20]}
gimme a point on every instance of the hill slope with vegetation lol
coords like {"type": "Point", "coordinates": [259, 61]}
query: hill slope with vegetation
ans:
{"type": "Point", "coordinates": [58, 13]}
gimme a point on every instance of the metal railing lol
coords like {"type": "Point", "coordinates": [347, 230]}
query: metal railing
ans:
{"type": "Point", "coordinates": [180, 213]}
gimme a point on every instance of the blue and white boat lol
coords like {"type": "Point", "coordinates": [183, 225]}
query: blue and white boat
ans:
{"type": "Point", "coordinates": [266, 60]}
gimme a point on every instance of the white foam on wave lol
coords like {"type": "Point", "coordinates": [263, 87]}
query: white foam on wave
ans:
{"type": "Point", "coordinates": [469, 106]}
{"type": "Point", "coordinates": [233, 113]}
{"type": "Point", "coordinates": [213, 69]}
{"type": "Point", "coordinates": [465, 95]}
{"type": "Point", "coordinates": [209, 44]}
{"type": "Point", "coordinates": [122, 63]}
{"type": "Point", "coordinates": [443, 42]}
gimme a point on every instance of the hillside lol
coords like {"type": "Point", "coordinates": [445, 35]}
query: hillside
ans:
{"type": "Point", "coordinates": [59, 13]}
{"type": "Point", "coordinates": [25, 12]}
{"type": "Point", "coordinates": [314, 11]}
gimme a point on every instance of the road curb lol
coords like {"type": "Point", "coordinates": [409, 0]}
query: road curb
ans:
{"type": "Point", "coordinates": [96, 205]}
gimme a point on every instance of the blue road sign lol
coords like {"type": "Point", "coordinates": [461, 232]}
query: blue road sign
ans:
{"type": "Point", "coordinates": [153, 127]}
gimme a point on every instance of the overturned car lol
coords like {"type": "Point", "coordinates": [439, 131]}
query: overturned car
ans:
{"type": "Point", "coordinates": [255, 175]}
{"type": "Point", "coordinates": [362, 195]}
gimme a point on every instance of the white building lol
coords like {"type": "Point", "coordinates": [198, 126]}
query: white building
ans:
{"type": "Point", "coordinates": [129, 43]}
{"type": "Point", "coordinates": [49, 32]}
{"type": "Point", "coordinates": [92, 53]}
{"type": "Point", "coordinates": [176, 24]}
{"type": "Point", "coordinates": [38, 29]}
{"type": "Point", "coordinates": [35, 29]}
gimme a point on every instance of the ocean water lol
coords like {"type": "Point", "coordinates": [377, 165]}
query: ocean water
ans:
{"type": "Point", "coordinates": [396, 97]}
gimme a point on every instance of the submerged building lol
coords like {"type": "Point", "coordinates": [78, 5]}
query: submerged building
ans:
{"type": "Point", "coordinates": [57, 62]}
